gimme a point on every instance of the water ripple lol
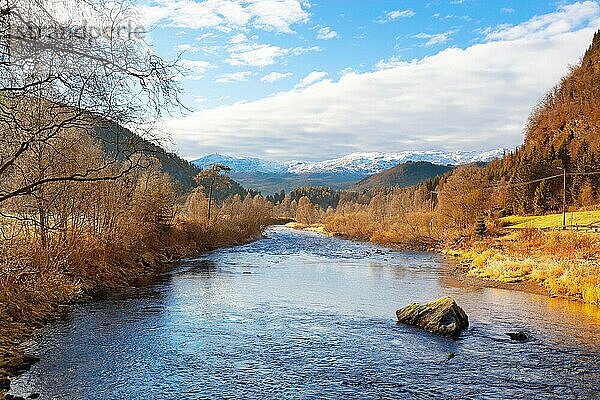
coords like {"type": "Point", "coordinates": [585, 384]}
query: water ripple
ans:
{"type": "Point", "coordinates": [298, 315]}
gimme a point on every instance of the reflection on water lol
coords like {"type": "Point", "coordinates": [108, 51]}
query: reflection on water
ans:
{"type": "Point", "coordinates": [305, 316]}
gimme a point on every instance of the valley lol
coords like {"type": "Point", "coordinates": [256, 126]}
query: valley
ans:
{"type": "Point", "coordinates": [366, 200]}
{"type": "Point", "coordinates": [270, 177]}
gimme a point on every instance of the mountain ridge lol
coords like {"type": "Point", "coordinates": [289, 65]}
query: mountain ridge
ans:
{"type": "Point", "coordinates": [402, 175]}
{"type": "Point", "coordinates": [361, 162]}
{"type": "Point", "coordinates": [338, 173]}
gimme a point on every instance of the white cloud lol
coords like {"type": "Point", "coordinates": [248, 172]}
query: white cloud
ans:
{"type": "Point", "coordinates": [270, 15]}
{"type": "Point", "coordinates": [233, 12]}
{"type": "Point", "coordinates": [452, 16]}
{"type": "Point", "coordinates": [433, 39]}
{"type": "Point", "coordinates": [204, 36]}
{"type": "Point", "coordinates": [311, 79]}
{"type": "Point", "coordinates": [401, 14]}
{"type": "Point", "coordinates": [275, 76]}
{"type": "Point", "coordinates": [211, 50]}
{"type": "Point", "coordinates": [472, 99]}
{"type": "Point", "coordinates": [254, 54]}
{"type": "Point", "coordinates": [234, 77]}
{"type": "Point", "coordinates": [394, 15]}
{"type": "Point", "coordinates": [180, 14]}
{"type": "Point", "coordinates": [325, 33]}
{"type": "Point", "coordinates": [298, 51]}
{"type": "Point", "coordinates": [278, 15]}
{"type": "Point", "coordinates": [392, 62]}
{"type": "Point", "coordinates": [239, 38]}
{"type": "Point", "coordinates": [187, 48]}
{"type": "Point", "coordinates": [194, 69]}
{"type": "Point", "coordinates": [567, 18]}
{"type": "Point", "coordinates": [244, 52]}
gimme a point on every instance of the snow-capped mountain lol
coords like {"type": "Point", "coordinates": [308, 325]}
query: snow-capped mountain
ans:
{"type": "Point", "coordinates": [338, 173]}
{"type": "Point", "coordinates": [359, 163]}
{"type": "Point", "coordinates": [371, 163]}
{"type": "Point", "coordinates": [243, 164]}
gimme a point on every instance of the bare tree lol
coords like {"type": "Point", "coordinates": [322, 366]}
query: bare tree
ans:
{"type": "Point", "coordinates": [307, 213]}
{"type": "Point", "coordinates": [76, 65]}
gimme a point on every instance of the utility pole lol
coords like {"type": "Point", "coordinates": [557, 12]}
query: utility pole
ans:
{"type": "Point", "coordinates": [432, 210]}
{"type": "Point", "coordinates": [564, 197]}
{"type": "Point", "coordinates": [431, 199]}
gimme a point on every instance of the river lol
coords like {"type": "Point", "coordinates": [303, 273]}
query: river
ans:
{"type": "Point", "coordinates": [302, 315]}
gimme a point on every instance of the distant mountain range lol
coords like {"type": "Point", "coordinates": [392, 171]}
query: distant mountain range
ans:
{"type": "Point", "coordinates": [371, 163]}
{"type": "Point", "coordinates": [362, 163]}
{"type": "Point", "coordinates": [242, 164]}
{"type": "Point", "coordinates": [339, 173]}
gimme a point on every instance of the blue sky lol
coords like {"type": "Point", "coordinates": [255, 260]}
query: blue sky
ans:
{"type": "Point", "coordinates": [304, 79]}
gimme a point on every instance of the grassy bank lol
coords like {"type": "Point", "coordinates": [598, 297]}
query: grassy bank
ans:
{"type": "Point", "coordinates": [40, 277]}
{"type": "Point", "coordinates": [564, 263]}
{"type": "Point", "coordinates": [581, 219]}
{"type": "Point", "coordinates": [38, 296]}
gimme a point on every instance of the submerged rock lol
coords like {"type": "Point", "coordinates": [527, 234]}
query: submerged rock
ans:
{"type": "Point", "coordinates": [442, 317]}
{"type": "Point", "coordinates": [23, 364]}
{"type": "Point", "coordinates": [518, 336]}
{"type": "Point", "coordinates": [11, 397]}
{"type": "Point", "coordinates": [4, 383]}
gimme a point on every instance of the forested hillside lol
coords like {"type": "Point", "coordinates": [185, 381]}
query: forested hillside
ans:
{"type": "Point", "coordinates": [406, 174]}
{"type": "Point", "coordinates": [570, 112]}
{"type": "Point", "coordinates": [563, 133]}
{"type": "Point", "coordinates": [122, 142]}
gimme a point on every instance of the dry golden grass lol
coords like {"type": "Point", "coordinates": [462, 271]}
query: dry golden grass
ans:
{"type": "Point", "coordinates": [317, 228]}
{"type": "Point", "coordinates": [552, 220]}
{"type": "Point", "coordinates": [295, 225]}
{"type": "Point", "coordinates": [34, 282]}
{"type": "Point", "coordinates": [563, 262]}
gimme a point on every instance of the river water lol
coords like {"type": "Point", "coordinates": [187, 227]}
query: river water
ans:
{"type": "Point", "coordinates": [301, 315]}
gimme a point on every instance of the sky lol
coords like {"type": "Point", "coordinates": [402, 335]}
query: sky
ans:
{"type": "Point", "coordinates": [318, 79]}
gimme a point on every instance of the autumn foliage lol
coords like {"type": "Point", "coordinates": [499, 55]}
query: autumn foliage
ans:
{"type": "Point", "coordinates": [68, 239]}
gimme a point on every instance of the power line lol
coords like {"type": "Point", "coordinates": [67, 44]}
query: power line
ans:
{"type": "Point", "coordinates": [583, 173]}
{"type": "Point", "coordinates": [513, 185]}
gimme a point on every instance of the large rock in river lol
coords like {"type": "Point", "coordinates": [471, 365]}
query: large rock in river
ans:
{"type": "Point", "coordinates": [443, 317]}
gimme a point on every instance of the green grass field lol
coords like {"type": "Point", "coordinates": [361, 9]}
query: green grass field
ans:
{"type": "Point", "coordinates": [552, 220]}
